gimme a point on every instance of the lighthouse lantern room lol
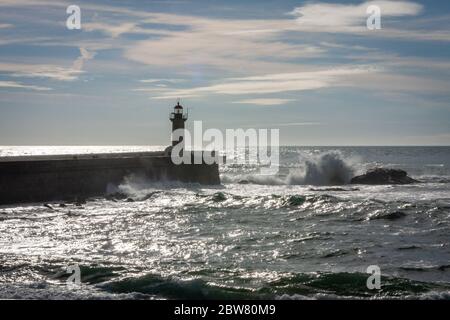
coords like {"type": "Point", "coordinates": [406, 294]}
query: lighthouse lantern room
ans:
{"type": "Point", "coordinates": [178, 118]}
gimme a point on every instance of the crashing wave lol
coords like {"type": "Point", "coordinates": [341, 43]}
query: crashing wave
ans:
{"type": "Point", "coordinates": [329, 168]}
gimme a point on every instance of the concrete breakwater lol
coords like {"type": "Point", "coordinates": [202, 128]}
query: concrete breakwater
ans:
{"type": "Point", "coordinates": [72, 177]}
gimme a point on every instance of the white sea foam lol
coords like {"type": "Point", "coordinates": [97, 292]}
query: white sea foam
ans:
{"type": "Point", "coordinates": [172, 227]}
{"type": "Point", "coordinates": [329, 168]}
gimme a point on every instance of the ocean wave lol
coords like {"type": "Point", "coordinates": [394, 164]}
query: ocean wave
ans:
{"type": "Point", "coordinates": [50, 291]}
{"type": "Point", "coordinates": [290, 286]}
{"type": "Point", "coordinates": [434, 178]}
{"type": "Point", "coordinates": [120, 282]}
{"type": "Point", "coordinates": [329, 168]}
{"type": "Point", "coordinates": [92, 274]}
{"type": "Point", "coordinates": [175, 288]}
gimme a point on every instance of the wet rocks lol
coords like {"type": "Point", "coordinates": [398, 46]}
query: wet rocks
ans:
{"type": "Point", "coordinates": [383, 176]}
{"type": "Point", "coordinates": [294, 200]}
{"type": "Point", "coordinates": [389, 216]}
{"type": "Point", "coordinates": [219, 197]}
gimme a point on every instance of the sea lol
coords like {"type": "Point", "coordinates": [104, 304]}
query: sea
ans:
{"type": "Point", "coordinates": [301, 233]}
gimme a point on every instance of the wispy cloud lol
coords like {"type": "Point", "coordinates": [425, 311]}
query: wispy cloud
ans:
{"type": "Point", "coordinates": [351, 18]}
{"type": "Point", "coordinates": [265, 102]}
{"type": "Point", "coordinates": [85, 55]}
{"type": "Point", "coordinates": [395, 60]}
{"type": "Point", "coordinates": [111, 29]}
{"type": "Point", "coordinates": [329, 17]}
{"type": "Point", "coordinates": [223, 44]}
{"type": "Point", "coordinates": [161, 80]}
{"type": "Point", "coordinates": [53, 72]}
{"type": "Point", "coordinates": [272, 83]}
{"type": "Point", "coordinates": [362, 77]}
{"type": "Point", "coordinates": [39, 71]}
{"type": "Point", "coordinates": [13, 84]}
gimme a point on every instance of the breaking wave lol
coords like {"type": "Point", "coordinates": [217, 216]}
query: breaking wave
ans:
{"type": "Point", "coordinates": [289, 286]}
{"type": "Point", "coordinates": [329, 168]}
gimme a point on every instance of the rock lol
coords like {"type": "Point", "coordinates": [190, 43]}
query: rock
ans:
{"type": "Point", "coordinates": [390, 216]}
{"type": "Point", "coordinates": [444, 267]}
{"type": "Point", "coordinates": [383, 176]}
{"type": "Point", "coordinates": [218, 197]}
{"type": "Point", "coordinates": [294, 200]}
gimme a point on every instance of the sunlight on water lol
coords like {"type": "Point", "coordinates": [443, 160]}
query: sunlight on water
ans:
{"type": "Point", "coordinates": [267, 238]}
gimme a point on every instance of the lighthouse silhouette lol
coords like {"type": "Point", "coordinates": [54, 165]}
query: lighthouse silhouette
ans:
{"type": "Point", "coordinates": [178, 118]}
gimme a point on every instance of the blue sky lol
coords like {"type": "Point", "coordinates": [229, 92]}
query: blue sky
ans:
{"type": "Point", "coordinates": [310, 68]}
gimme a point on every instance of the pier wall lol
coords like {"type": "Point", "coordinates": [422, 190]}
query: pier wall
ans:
{"type": "Point", "coordinates": [69, 179]}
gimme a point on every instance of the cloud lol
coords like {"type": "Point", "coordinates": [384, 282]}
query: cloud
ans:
{"type": "Point", "coordinates": [264, 102]}
{"type": "Point", "coordinates": [203, 48]}
{"type": "Point", "coordinates": [48, 71]}
{"type": "Point", "coordinates": [161, 80]}
{"type": "Point", "coordinates": [272, 83]}
{"type": "Point", "coordinates": [269, 50]}
{"type": "Point", "coordinates": [351, 18]}
{"type": "Point", "coordinates": [258, 45]}
{"type": "Point", "coordinates": [328, 17]}
{"type": "Point", "coordinates": [78, 64]}
{"type": "Point", "coordinates": [248, 87]}
{"type": "Point", "coordinates": [343, 46]}
{"type": "Point", "coordinates": [39, 71]}
{"type": "Point", "coordinates": [15, 3]}
{"type": "Point", "coordinates": [223, 44]}
{"type": "Point", "coordinates": [13, 84]}
{"type": "Point", "coordinates": [362, 77]}
{"type": "Point", "coordinates": [395, 60]}
{"type": "Point", "coordinates": [116, 30]}
{"type": "Point", "coordinates": [111, 29]}
{"type": "Point", "coordinates": [155, 89]}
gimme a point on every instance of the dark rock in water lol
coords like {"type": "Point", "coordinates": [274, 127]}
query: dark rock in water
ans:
{"type": "Point", "coordinates": [130, 200]}
{"type": "Point", "coordinates": [383, 176]}
{"type": "Point", "coordinates": [244, 182]}
{"type": "Point", "coordinates": [336, 253]}
{"type": "Point", "coordinates": [218, 197]}
{"type": "Point", "coordinates": [390, 216]}
{"type": "Point", "coordinates": [294, 200]}
{"type": "Point", "coordinates": [409, 247]}
{"type": "Point", "coordinates": [444, 267]}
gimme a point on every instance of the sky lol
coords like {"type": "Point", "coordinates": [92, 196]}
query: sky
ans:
{"type": "Point", "coordinates": [311, 69]}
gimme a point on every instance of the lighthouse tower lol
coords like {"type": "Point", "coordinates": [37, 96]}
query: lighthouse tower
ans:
{"type": "Point", "coordinates": [178, 119]}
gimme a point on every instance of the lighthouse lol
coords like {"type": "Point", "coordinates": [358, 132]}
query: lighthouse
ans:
{"type": "Point", "coordinates": [178, 118]}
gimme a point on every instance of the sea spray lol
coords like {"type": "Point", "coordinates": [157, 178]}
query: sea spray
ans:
{"type": "Point", "coordinates": [328, 168]}
{"type": "Point", "coordinates": [261, 242]}
{"type": "Point", "coordinates": [140, 186]}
